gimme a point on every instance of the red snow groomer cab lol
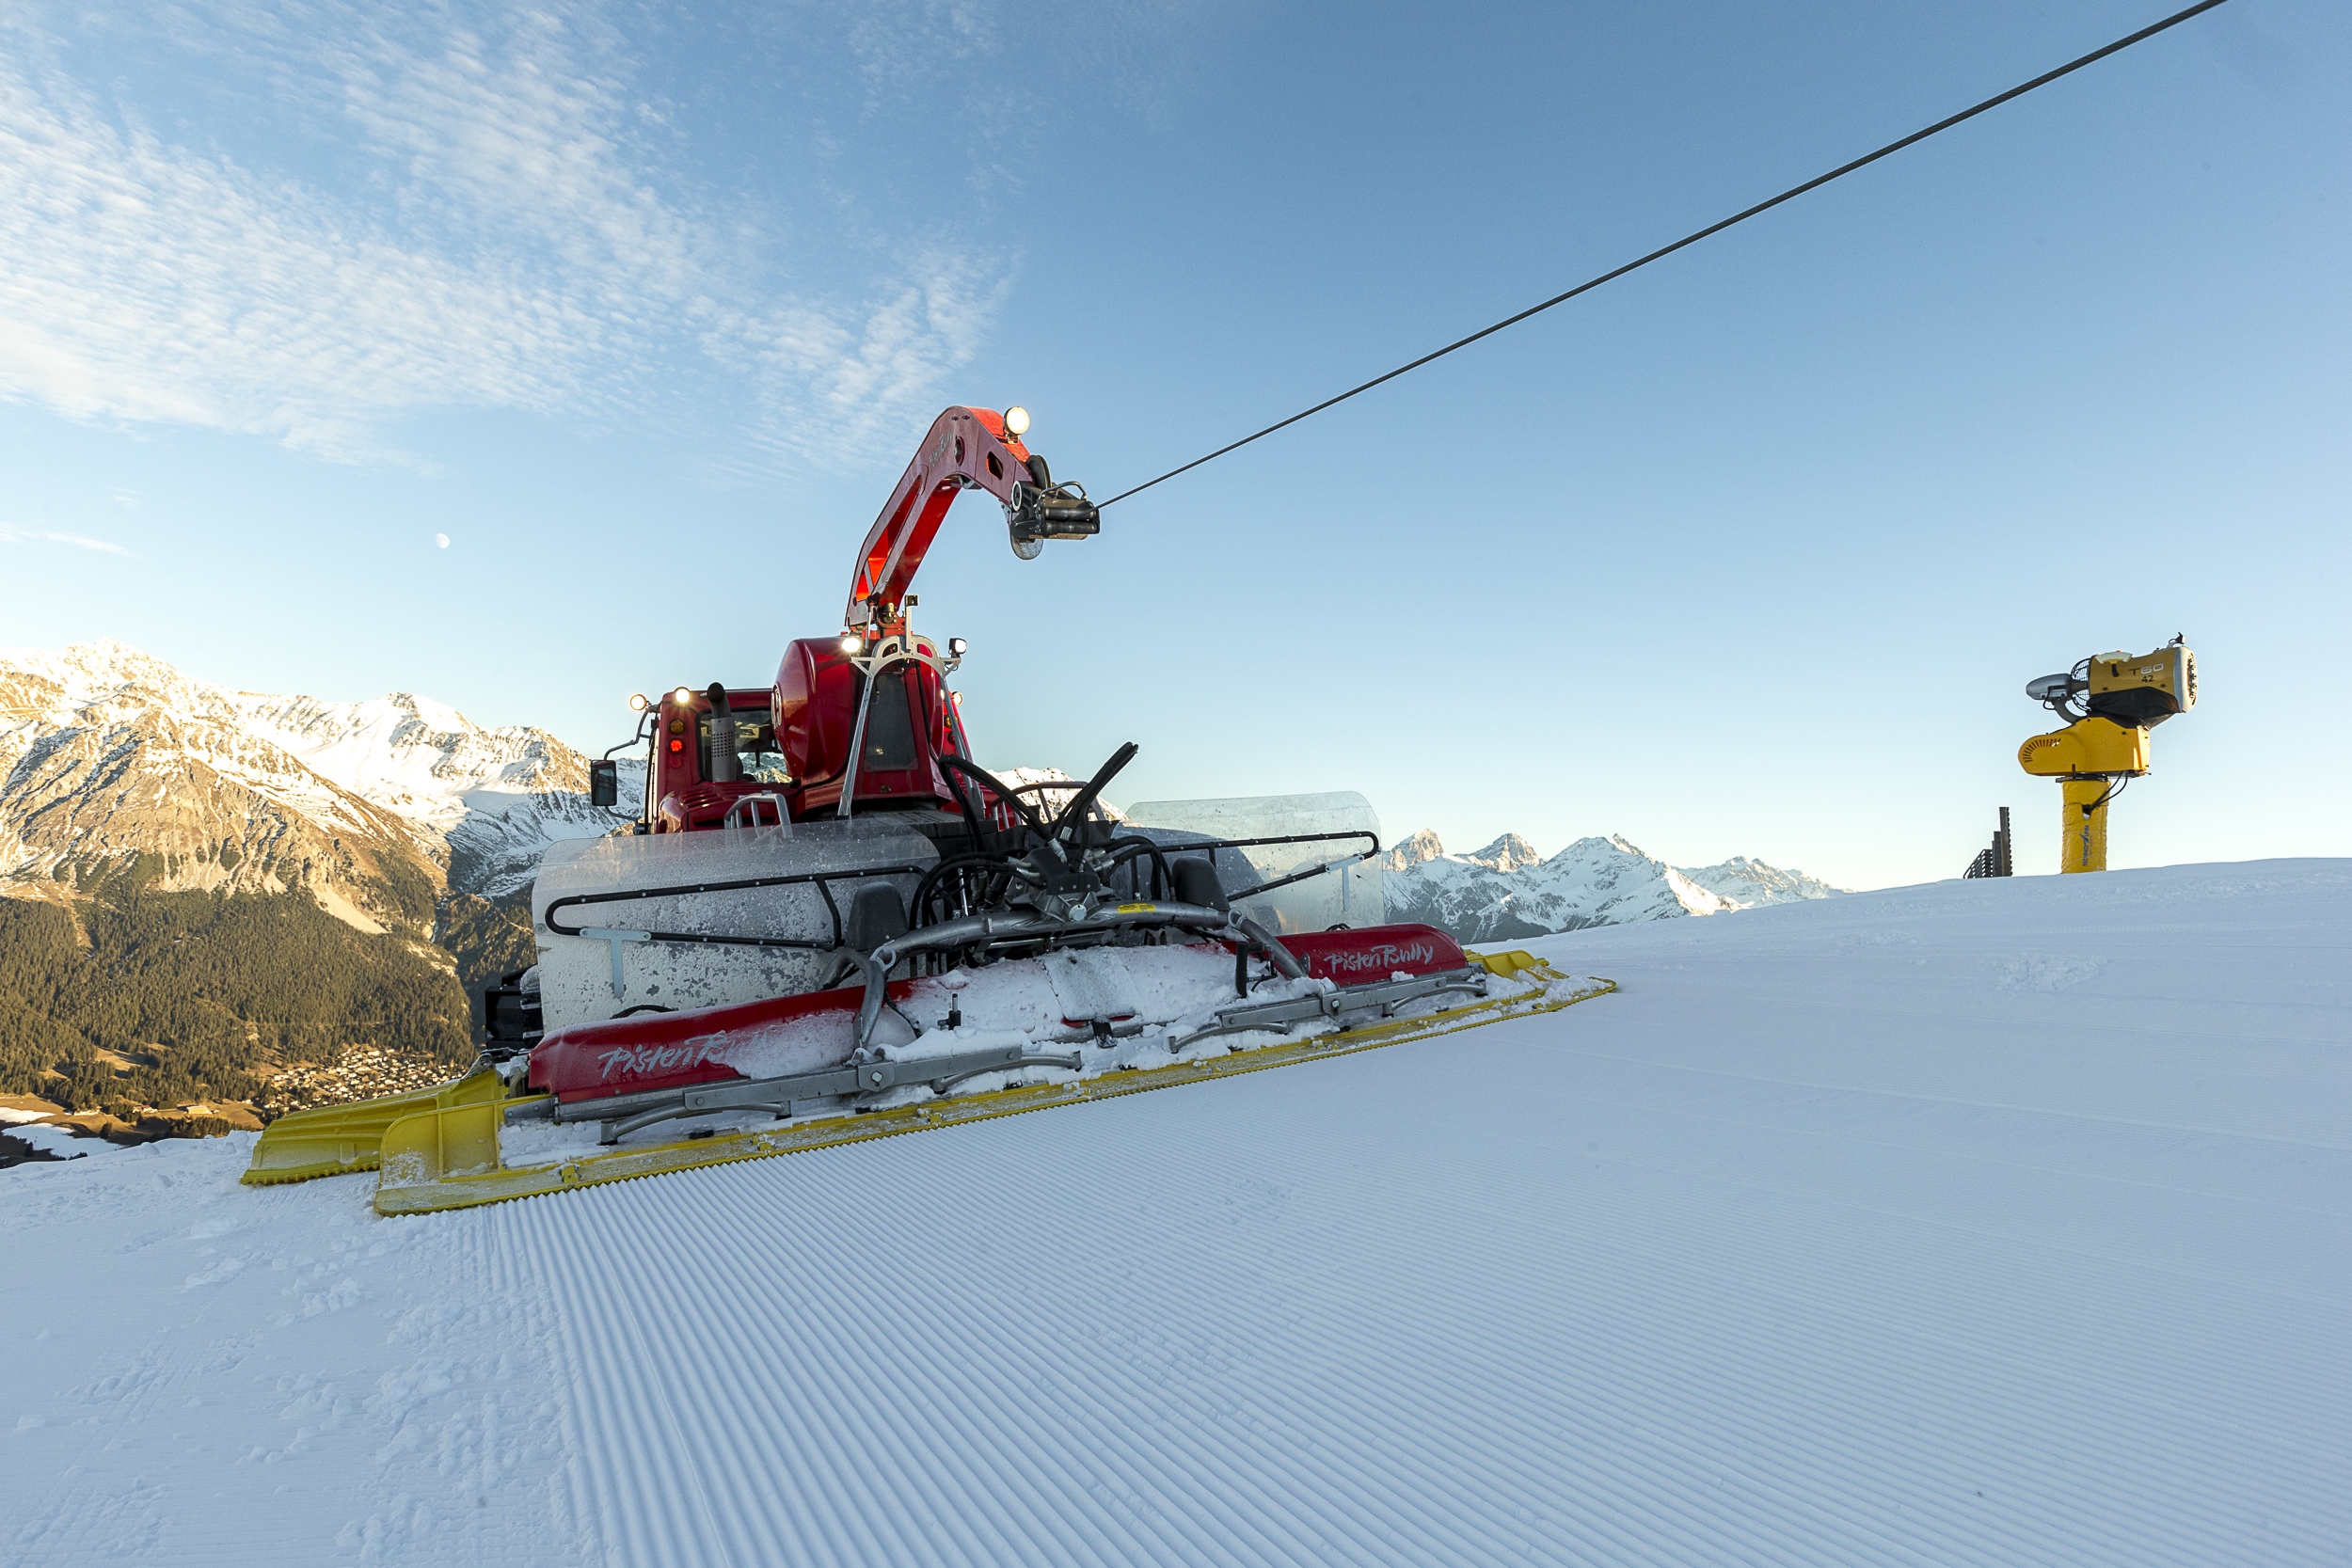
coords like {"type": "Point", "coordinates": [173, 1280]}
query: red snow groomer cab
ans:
{"type": "Point", "coordinates": [829, 923]}
{"type": "Point", "coordinates": [860, 721]}
{"type": "Point", "coordinates": [744, 755]}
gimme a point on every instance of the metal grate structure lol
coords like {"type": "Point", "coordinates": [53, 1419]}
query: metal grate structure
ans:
{"type": "Point", "coordinates": [1993, 860]}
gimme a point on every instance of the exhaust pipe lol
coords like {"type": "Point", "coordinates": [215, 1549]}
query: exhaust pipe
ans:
{"type": "Point", "coordinates": [725, 765]}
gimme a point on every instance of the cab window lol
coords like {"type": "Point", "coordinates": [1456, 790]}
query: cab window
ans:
{"type": "Point", "coordinates": [756, 747]}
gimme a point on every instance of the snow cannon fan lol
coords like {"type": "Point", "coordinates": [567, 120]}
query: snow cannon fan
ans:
{"type": "Point", "coordinates": [2110, 701]}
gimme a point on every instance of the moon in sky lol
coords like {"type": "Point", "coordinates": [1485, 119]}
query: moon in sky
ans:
{"type": "Point", "coordinates": [442, 540]}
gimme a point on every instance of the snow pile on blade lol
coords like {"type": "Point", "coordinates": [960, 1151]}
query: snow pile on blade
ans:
{"type": "Point", "coordinates": [2001, 1222]}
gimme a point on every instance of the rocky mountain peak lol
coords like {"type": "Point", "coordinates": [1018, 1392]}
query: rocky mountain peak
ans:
{"type": "Point", "coordinates": [1422, 847]}
{"type": "Point", "coordinates": [1599, 848]}
{"type": "Point", "coordinates": [112, 763]}
{"type": "Point", "coordinates": [1507, 853]}
{"type": "Point", "coordinates": [1745, 882]}
{"type": "Point", "coordinates": [1506, 890]}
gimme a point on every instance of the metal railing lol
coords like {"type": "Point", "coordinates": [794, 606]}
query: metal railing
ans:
{"type": "Point", "coordinates": [1994, 859]}
{"type": "Point", "coordinates": [744, 813]}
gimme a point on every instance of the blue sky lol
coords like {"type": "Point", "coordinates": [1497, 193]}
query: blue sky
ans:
{"type": "Point", "coordinates": [645, 307]}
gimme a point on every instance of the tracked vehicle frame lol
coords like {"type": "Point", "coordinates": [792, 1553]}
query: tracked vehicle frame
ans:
{"type": "Point", "coordinates": [827, 924]}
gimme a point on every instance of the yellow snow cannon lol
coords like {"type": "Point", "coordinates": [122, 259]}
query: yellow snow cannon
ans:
{"type": "Point", "coordinates": [2111, 701]}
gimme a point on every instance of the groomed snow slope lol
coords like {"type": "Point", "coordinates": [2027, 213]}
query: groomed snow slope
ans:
{"type": "Point", "coordinates": [2000, 1222]}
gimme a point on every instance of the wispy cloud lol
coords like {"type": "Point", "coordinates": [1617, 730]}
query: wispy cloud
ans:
{"type": "Point", "coordinates": [845, 379]}
{"type": "Point", "coordinates": [12, 534]}
{"type": "Point", "coordinates": [513, 141]}
{"type": "Point", "coordinates": [141, 281]}
{"type": "Point", "coordinates": [503, 245]}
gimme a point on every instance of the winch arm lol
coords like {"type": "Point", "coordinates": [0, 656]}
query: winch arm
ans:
{"type": "Point", "coordinates": [966, 448]}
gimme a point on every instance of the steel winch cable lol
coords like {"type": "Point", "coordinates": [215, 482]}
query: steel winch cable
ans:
{"type": "Point", "coordinates": [1690, 239]}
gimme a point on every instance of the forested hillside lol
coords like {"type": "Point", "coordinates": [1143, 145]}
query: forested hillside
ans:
{"type": "Point", "coordinates": [486, 938]}
{"type": "Point", "coordinates": [202, 887]}
{"type": "Point", "coordinates": [162, 998]}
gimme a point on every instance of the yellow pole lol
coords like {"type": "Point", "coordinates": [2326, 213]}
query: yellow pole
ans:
{"type": "Point", "coordinates": [2083, 826]}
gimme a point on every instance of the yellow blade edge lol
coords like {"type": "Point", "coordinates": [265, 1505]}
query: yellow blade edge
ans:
{"type": "Point", "coordinates": [330, 1140]}
{"type": "Point", "coordinates": [447, 1158]}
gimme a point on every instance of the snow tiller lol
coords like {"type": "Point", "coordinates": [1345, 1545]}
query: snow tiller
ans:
{"type": "Point", "coordinates": [827, 924]}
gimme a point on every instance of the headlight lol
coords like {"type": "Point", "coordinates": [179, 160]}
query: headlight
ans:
{"type": "Point", "coordinates": [956, 647]}
{"type": "Point", "coordinates": [1017, 420]}
{"type": "Point", "coordinates": [637, 702]}
{"type": "Point", "coordinates": [853, 643]}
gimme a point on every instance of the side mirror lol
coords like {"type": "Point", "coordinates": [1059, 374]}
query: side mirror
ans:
{"type": "Point", "coordinates": [604, 783]}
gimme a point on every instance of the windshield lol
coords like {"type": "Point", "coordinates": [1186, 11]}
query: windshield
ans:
{"type": "Point", "coordinates": [755, 748]}
{"type": "Point", "coordinates": [1350, 893]}
{"type": "Point", "coordinates": [889, 727]}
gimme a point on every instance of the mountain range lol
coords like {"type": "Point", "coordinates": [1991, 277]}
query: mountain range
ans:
{"type": "Point", "coordinates": [1509, 890]}
{"type": "Point", "coordinates": [372, 809]}
{"type": "Point", "coordinates": [132, 795]}
{"type": "Point", "coordinates": [204, 890]}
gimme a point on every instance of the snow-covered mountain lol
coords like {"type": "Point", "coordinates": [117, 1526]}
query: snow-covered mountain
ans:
{"type": "Point", "coordinates": [1744, 883]}
{"type": "Point", "coordinates": [1508, 890]}
{"type": "Point", "coordinates": [112, 762]}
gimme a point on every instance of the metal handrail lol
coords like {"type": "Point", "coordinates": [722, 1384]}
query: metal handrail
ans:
{"type": "Point", "coordinates": [770, 796]}
{"type": "Point", "coordinates": [818, 878]}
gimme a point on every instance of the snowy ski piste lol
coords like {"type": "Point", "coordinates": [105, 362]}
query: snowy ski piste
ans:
{"type": "Point", "coordinates": [2006, 1221]}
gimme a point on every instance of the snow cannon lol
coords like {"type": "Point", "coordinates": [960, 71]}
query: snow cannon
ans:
{"type": "Point", "coordinates": [2111, 702]}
